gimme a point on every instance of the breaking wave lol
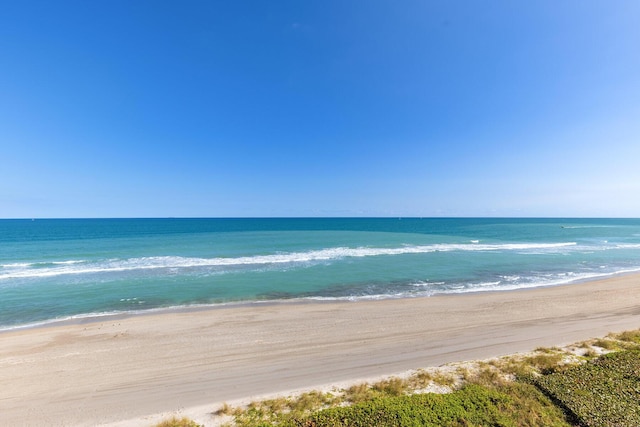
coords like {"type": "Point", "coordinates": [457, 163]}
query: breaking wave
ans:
{"type": "Point", "coordinates": [73, 267]}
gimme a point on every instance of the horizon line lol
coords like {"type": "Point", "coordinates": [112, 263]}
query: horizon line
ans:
{"type": "Point", "coordinates": [320, 217]}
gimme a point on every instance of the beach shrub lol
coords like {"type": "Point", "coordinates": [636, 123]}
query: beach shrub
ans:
{"type": "Point", "coordinates": [275, 411]}
{"type": "Point", "coordinates": [602, 393]}
{"type": "Point", "coordinates": [473, 405]}
{"type": "Point", "coordinates": [512, 405]}
{"type": "Point", "coordinates": [487, 397]}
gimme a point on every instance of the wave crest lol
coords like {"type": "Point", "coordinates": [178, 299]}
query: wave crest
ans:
{"type": "Point", "coordinates": [68, 267]}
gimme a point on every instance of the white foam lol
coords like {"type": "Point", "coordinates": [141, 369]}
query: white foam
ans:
{"type": "Point", "coordinates": [431, 289]}
{"type": "Point", "coordinates": [72, 261]}
{"type": "Point", "coordinates": [535, 282]}
{"type": "Point", "coordinates": [422, 284]}
{"type": "Point", "coordinates": [628, 246]}
{"type": "Point", "coordinates": [16, 265]}
{"type": "Point", "coordinates": [25, 270]}
{"type": "Point", "coordinates": [589, 226]}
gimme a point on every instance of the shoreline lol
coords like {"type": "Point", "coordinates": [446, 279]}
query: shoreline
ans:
{"type": "Point", "coordinates": [110, 369]}
{"type": "Point", "coordinates": [86, 318]}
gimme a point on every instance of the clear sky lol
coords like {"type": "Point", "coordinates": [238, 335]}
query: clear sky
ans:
{"type": "Point", "coordinates": [319, 108]}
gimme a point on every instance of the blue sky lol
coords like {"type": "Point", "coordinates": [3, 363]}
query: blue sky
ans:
{"type": "Point", "coordinates": [319, 108]}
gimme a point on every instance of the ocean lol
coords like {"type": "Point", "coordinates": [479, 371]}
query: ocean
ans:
{"type": "Point", "coordinates": [59, 269]}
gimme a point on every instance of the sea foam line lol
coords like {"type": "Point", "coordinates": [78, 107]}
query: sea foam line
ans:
{"type": "Point", "coordinates": [23, 270]}
{"type": "Point", "coordinates": [461, 288]}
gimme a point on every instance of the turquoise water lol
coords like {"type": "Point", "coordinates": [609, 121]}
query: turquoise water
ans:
{"type": "Point", "coordinates": [60, 269]}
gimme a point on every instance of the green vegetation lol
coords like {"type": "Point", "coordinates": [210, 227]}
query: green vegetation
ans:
{"type": "Point", "coordinates": [577, 386]}
{"type": "Point", "coordinates": [486, 397]}
{"type": "Point", "coordinates": [275, 411]}
{"type": "Point", "coordinates": [472, 405]}
{"type": "Point", "coordinates": [604, 392]}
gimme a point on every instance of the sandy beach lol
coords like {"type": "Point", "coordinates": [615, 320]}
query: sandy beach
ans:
{"type": "Point", "coordinates": [113, 369]}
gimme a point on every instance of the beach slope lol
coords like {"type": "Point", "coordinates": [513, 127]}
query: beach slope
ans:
{"type": "Point", "coordinates": [110, 369]}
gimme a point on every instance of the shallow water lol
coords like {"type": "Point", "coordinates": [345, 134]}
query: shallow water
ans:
{"type": "Point", "coordinates": [56, 269]}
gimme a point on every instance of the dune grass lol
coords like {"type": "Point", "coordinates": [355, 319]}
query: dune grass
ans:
{"type": "Point", "coordinates": [178, 422]}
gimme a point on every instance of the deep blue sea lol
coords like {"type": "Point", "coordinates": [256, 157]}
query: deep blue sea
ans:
{"type": "Point", "coordinates": [71, 268]}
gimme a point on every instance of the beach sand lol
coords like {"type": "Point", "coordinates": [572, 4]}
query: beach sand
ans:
{"type": "Point", "coordinates": [113, 369]}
